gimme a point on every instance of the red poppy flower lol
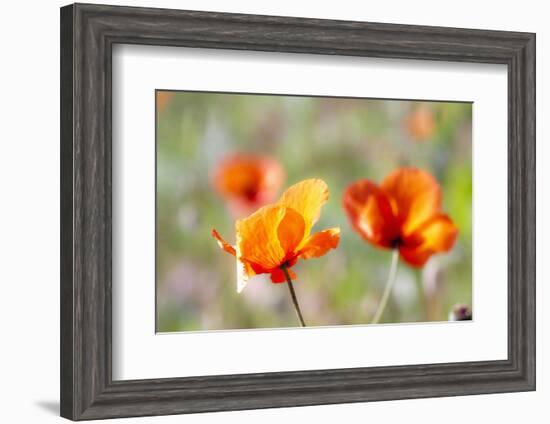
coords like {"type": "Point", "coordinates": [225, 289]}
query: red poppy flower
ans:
{"type": "Point", "coordinates": [403, 212]}
{"type": "Point", "coordinates": [272, 239]}
{"type": "Point", "coordinates": [248, 181]}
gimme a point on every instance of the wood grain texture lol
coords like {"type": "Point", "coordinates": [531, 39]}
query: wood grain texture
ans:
{"type": "Point", "coordinates": [88, 33]}
{"type": "Point", "coordinates": [66, 211]}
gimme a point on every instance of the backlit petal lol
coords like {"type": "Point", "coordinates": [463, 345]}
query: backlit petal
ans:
{"type": "Point", "coordinates": [319, 243]}
{"type": "Point", "coordinates": [242, 276]}
{"type": "Point", "coordinates": [257, 237]}
{"type": "Point", "coordinates": [415, 197]}
{"type": "Point", "coordinates": [439, 233]}
{"type": "Point", "coordinates": [370, 213]}
{"type": "Point", "coordinates": [244, 272]}
{"type": "Point", "coordinates": [436, 235]}
{"type": "Point", "coordinates": [306, 197]}
{"type": "Point", "coordinates": [278, 276]}
{"type": "Point", "coordinates": [291, 231]}
{"type": "Point", "coordinates": [222, 243]}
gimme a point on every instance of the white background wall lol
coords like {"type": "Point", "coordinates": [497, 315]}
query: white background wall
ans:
{"type": "Point", "coordinates": [29, 210]}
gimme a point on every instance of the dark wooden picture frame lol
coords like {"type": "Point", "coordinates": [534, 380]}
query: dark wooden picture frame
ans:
{"type": "Point", "coordinates": [88, 33]}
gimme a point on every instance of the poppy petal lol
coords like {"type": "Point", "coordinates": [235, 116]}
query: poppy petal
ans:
{"type": "Point", "coordinates": [306, 197]}
{"type": "Point", "coordinates": [222, 243]}
{"type": "Point", "coordinates": [415, 256]}
{"type": "Point", "coordinates": [257, 238]}
{"type": "Point", "coordinates": [291, 231]}
{"type": "Point", "coordinates": [370, 213]}
{"type": "Point", "coordinates": [415, 197]}
{"type": "Point", "coordinates": [244, 272]}
{"type": "Point", "coordinates": [439, 233]}
{"type": "Point", "coordinates": [242, 276]}
{"type": "Point", "coordinates": [319, 243]}
{"type": "Point", "coordinates": [436, 235]}
{"type": "Point", "coordinates": [278, 276]}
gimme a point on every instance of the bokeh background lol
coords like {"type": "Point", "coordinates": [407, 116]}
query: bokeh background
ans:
{"type": "Point", "coordinates": [337, 140]}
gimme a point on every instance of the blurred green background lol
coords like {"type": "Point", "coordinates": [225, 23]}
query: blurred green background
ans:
{"type": "Point", "coordinates": [337, 140]}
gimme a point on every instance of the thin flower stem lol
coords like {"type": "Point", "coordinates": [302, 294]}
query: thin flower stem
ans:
{"type": "Point", "coordinates": [387, 290]}
{"type": "Point", "coordinates": [293, 295]}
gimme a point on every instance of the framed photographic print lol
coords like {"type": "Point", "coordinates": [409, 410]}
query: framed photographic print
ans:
{"type": "Point", "coordinates": [264, 212]}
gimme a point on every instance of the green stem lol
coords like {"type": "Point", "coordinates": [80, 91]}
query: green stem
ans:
{"type": "Point", "coordinates": [293, 295]}
{"type": "Point", "coordinates": [387, 290]}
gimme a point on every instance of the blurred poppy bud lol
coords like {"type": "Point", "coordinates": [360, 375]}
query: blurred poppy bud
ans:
{"type": "Point", "coordinates": [460, 312]}
{"type": "Point", "coordinates": [420, 124]}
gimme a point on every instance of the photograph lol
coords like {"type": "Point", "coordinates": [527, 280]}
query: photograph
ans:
{"type": "Point", "coordinates": [277, 211]}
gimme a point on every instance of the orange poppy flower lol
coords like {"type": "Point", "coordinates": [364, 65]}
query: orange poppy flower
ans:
{"type": "Point", "coordinates": [420, 124]}
{"type": "Point", "coordinates": [274, 237]}
{"type": "Point", "coordinates": [403, 212]}
{"type": "Point", "coordinates": [248, 181]}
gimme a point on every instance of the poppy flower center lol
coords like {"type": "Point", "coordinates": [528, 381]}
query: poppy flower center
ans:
{"type": "Point", "coordinates": [396, 242]}
{"type": "Point", "coordinates": [250, 191]}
